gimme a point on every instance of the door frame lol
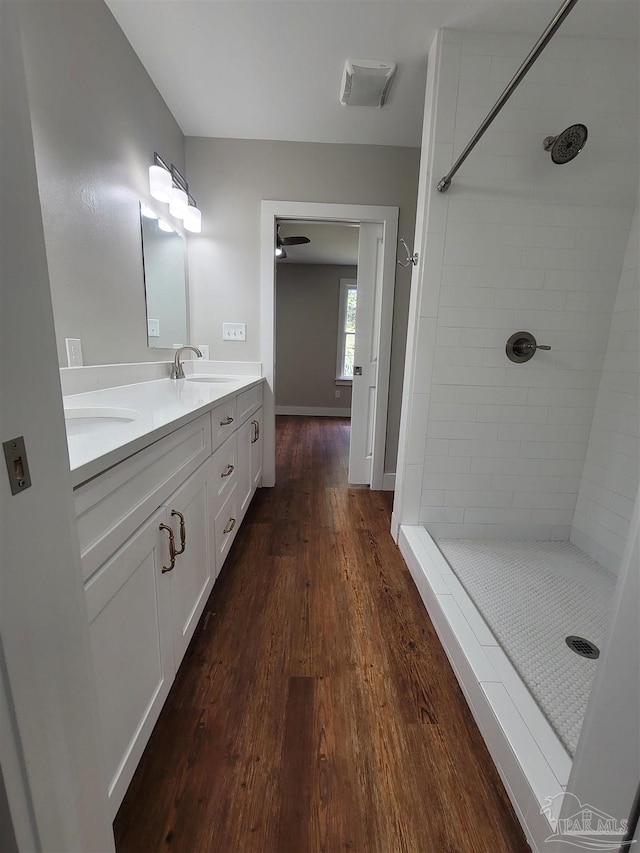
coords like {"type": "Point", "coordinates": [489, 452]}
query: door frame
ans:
{"type": "Point", "coordinates": [351, 213]}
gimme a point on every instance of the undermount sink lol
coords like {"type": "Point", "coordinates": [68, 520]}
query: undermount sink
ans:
{"type": "Point", "coordinates": [211, 378]}
{"type": "Point", "coordinates": [89, 419]}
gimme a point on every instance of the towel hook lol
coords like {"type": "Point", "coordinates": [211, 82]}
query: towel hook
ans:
{"type": "Point", "coordinates": [411, 259]}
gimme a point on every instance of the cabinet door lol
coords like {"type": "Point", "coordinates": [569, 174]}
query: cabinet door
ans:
{"type": "Point", "coordinates": [129, 609]}
{"type": "Point", "coordinates": [256, 450]}
{"type": "Point", "coordinates": [245, 480]}
{"type": "Point", "coordinates": [190, 514]}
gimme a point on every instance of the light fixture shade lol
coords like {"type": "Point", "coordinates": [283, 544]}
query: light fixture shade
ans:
{"type": "Point", "coordinates": [164, 226]}
{"type": "Point", "coordinates": [160, 183]}
{"type": "Point", "coordinates": [146, 211]}
{"type": "Point", "coordinates": [179, 203]}
{"type": "Point", "coordinates": [193, 220]}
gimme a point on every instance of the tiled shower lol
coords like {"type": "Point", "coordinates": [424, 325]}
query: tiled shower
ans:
{"type": "Point", "coordinates": [542, 455]}
{"type": "Point", "coordinates": [547, 449]}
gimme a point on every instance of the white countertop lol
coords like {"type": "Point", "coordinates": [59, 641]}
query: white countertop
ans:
{"type": "Point", "coordinates": [160, 407]}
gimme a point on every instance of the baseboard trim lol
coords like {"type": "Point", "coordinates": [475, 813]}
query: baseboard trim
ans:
{"type": "Point", "coordinates": [389, 482]}
{"type": "Point", "coordinates": [316, 411]}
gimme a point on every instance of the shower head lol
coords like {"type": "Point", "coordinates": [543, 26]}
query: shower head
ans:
{"type": "Point", "coordinates": [568, 144]}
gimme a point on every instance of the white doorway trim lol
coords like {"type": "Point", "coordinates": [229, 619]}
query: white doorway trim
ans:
{"type": "Point", "coordinates": [354, 213]}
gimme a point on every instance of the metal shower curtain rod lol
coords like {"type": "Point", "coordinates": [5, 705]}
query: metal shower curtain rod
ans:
{"type": "Point", "coordinates": [537, 49]}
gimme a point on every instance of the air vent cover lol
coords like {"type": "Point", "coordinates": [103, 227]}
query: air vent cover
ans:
{"type": "Point", "coordinates": [366, 82]}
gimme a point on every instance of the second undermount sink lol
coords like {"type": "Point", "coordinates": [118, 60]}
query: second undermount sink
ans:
{"type": "Point", "coordinates": [205, 378]}
{"type": "Point", "coordinates": [88, 419]}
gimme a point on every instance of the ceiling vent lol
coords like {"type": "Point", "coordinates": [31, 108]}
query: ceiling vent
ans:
{"type": "Point", "coordinates": [366, 82]}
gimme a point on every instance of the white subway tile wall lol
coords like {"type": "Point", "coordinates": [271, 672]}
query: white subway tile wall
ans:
{"type": "Point", "coordinates": [519, 243]}
{"type": "Point", "coordinates": [609, 482]}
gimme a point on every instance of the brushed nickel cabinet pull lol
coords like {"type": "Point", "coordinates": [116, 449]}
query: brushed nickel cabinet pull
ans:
{"type": "Point", "coordinates": [183, 530]}
{"type": "Point", "coordinates": [226, 421]}
{"type": "Point", "coordinates": [254, 424]}
{"type": "Point", "coordinates": [228, 472]}
{"type": "Point", "coordinates": [230, 525]}
{"type": "Point", "coordinates": [172, 549]}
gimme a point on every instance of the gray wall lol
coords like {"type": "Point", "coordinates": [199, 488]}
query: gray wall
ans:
{"type": "Point", "coordinates": [97, 119]}
{"type": "Point", "coordinates": [230, 177]}
{"type": "Point", "coordinates": [307, 304]}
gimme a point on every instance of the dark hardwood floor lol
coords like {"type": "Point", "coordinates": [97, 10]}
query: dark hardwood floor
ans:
{"type": "Point", "coordinates": [315, 709]}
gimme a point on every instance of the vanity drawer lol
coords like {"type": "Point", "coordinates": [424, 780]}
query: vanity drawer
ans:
{"type": "Point", "coordinates": [223, 422]}
{"type": "Point", "coordinates": [223, 471]}
{"type": "Point", "coordinates": [227, 522]}
{"type": "Point", "coordinates": [113, 505]}
{"type": "Point", "coordinates": [248, 402]}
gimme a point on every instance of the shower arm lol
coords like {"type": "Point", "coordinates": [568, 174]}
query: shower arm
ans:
{"type": "Point", "coordinates": [539, 46]}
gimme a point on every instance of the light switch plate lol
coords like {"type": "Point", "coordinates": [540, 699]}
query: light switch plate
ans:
{"type": "Point", "coordinates": [153, 328]}
{"type": "Point", "coordinates": [74, 352]}
{"type": "Point", "coordinates": [234, 331]}
{"type": "Point", "coordinates": [204, 349]}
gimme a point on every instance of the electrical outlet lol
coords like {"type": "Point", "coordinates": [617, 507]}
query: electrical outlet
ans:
{"type": "Point", "coordinates": [74, 352]}
{"type": "Point", "coordinates": [337, 393]}
{"type": "Point", "coordinates": [153, 328]}
{"type": "Point", "coordinates": [204, 349]}
{"type": "Point", "coordinates": [234, 331]}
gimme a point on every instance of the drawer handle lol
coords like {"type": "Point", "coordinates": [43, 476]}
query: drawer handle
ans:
{"type": "Point", "coordinates": [172, 549]}
{"type": "Point", "coordinates": [226, 421]}
{"type": "Point", "coordinates": [256, 431]}
{"type": "Point", "coordinates": [228, 472]}
{"type": "Point", "coordinates": [231, 524]}
{"type": "Point", "coordinates": [183, 530]}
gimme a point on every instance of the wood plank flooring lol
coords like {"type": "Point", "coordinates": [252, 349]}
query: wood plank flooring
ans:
{"type": "Point", "coordinates": [315, 709]}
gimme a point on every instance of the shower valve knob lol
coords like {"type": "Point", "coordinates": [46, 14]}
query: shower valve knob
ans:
{"type": "Point", "coordinates": [522, 346]}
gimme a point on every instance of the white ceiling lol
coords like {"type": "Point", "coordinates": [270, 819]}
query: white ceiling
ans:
{"type": "Point", "coordinates": [331, 243]}
{"type": "Point", "coordinates": [271, 69]}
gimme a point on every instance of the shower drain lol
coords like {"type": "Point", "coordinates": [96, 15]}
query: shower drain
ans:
{"type": "Point", "coordinates": [582, 647]}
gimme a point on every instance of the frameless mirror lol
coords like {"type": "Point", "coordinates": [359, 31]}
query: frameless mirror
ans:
{"type": "Point", "coordinates": [164, 282]}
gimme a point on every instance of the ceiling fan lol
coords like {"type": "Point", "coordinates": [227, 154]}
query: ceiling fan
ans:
{"type": "Point", "coordinates": [281, 242]}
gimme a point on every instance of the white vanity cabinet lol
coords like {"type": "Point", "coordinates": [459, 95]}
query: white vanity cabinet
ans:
{"type": "Point", "coordinates": [143, 607]}
{"type": "Point", "coordinates": [154, 531]}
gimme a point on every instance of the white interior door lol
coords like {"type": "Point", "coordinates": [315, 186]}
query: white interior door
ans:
{"type": "Point", "coordinates": [367, 352]}
{"type": "Point", "coordinates": [48, 708]}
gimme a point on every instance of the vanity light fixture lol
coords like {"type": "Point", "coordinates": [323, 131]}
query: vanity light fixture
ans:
{"type": "Point", "coordinates": [160, 183]}
{"type": "Point", "coordinates": [164, 226]}
{"type": "Point", "coordinates": [179, 203]}
{"type": "Point", "coordinates": [193, 219]}
{"type": "Point", "coordinates": [167, 184]}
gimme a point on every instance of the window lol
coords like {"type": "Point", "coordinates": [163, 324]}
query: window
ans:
{"type": "Point", "coordinates": [346, 328]}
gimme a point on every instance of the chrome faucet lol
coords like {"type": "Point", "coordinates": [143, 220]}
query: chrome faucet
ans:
{"type": "Point", "coordinates": [177, 370]}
